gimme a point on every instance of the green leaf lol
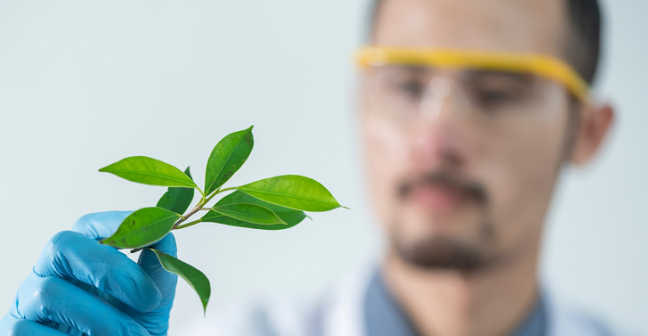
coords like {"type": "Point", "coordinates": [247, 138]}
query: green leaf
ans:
{"type": "Point", "coordinates": [227, 157]}
{"type": "Point", "coordinates": [292, 191]}
{"type": "Point", "coordinates": [250, 213]}
{"type": "Point", "coordinates": [177, 199]}
{"type": "Point", "coordinates": [150, 171]}
{"type": "Point", "coordinates": [192, 275]}
{"type": "Point", "coordinates": [290, 216]}
{"type": "Point", "coordinates": [142, 228]}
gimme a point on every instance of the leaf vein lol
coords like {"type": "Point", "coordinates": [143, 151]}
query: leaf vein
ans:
{"type": "Point", "coordinates": [151, 175]}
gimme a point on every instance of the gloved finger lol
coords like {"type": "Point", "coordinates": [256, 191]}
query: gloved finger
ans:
{"type": "Point", "coordinates": [54, 300]}
{"type": "Point", "coordinates": [100, 225]}
{"type": "Point", "coordinates": [149, 262]}
{"type": "Point", "coordinates": [19, 327]}
{"type": "Point", "coordinates": [72, 256]}
{"type": "Point", "coordinates": [156, 321]}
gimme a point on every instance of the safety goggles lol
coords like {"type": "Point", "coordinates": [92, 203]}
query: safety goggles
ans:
{"type": "Point", "coordinates": [540, 65]}
{"type": "Point", "coordinates": [488, 84]}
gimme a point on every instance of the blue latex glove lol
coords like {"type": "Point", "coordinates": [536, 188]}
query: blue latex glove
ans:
{"type": "Point", "coordinates": [79, 286]}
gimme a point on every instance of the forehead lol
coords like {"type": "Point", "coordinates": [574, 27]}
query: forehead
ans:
{"type": "Point", "coordinates": [536, 26]}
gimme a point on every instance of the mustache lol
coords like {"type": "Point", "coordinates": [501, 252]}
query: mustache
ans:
{"type": "Point", "coordinates": [443, 178]}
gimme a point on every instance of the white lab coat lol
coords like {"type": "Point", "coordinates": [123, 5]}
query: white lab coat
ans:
{"type": "Point", "coordinates": [339, 312]}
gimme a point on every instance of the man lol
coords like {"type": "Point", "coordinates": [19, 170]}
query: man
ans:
{"type": "Point", "coordinates": [469, 109]}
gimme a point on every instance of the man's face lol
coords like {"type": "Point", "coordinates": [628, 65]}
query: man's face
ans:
{"type": "Point", "coordinates": [453, 191]}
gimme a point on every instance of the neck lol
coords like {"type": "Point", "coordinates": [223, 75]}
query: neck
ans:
{"type": "Point", "coordinates": [491, 302]}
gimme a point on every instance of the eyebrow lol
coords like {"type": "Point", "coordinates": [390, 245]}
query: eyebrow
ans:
{"type": "Point", "coordinates": [469, 74]}
{"type": "Point", "coordinates": [478, 74]}
{"type": "Point", "coordinates": [418, 69]}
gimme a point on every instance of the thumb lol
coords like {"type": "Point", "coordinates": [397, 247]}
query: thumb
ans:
{"type": "Point", "coordinates": [165, 281]}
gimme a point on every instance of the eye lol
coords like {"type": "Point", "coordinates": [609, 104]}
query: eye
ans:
{"type": "Point", "coordinates": [493, 97]}
{"type": "Point", "coordinates": [410, 88]}
{"type": "Point", "coordinates": [497, 91]}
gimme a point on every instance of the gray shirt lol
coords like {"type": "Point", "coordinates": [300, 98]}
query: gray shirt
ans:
{"type": "Point", "coordinates": [384, 317]}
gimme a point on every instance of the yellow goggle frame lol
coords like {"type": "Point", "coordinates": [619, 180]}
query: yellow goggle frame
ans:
{"type": "Point", "coordinates": [541, 65]}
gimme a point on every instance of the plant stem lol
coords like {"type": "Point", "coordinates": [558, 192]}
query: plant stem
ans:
{"type": "Point", "coordinates": [188, 224]}
{"type": "Point", "coordinates": [226, 189]}
{"type": "Point", "coordinates": [205, 199]}
{"type": "Point", "coordinates": [191, 213]}
{"type": "Point", "coordinates": [209, 198]}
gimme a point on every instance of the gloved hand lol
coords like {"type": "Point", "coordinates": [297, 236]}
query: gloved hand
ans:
{"type": "Point", "coordinates": [79, 286]}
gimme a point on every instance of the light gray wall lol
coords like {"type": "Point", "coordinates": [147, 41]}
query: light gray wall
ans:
{"type": "Point", "coordinates": [85, 83]}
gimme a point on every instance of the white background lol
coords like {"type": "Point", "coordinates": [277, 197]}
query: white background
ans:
{"type": "Point", "coordinates": [86, 83]}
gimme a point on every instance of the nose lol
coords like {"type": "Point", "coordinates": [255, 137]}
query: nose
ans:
{"type": "Point", "coordinates": [436, 137]}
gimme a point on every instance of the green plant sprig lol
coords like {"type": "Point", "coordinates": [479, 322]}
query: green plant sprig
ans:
{"type": "Point", "coordinates": [274, 203]}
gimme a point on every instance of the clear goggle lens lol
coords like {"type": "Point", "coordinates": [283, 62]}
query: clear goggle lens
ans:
{"type": "Point", "coordinates": [415, 93]}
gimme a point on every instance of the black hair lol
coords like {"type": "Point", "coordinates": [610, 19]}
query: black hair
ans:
{"type": "Point", "coordinates": [583, 43]}
{"type": "Point", "coordinates": [584, 46]}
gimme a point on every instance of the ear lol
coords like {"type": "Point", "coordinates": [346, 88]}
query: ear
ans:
{"type": "Point", "coordinates": [594, 125]}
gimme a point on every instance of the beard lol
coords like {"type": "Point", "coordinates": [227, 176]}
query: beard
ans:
{"type": "Point", "coordinates": [443, 252]}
